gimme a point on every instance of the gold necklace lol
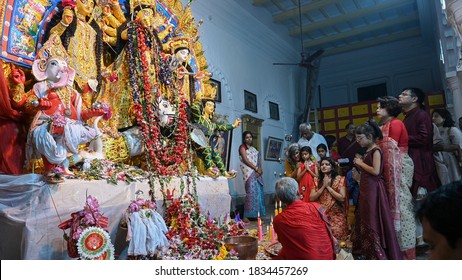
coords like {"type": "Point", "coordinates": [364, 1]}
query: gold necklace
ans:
{"type": "Point", "coordinates": [65, 97]}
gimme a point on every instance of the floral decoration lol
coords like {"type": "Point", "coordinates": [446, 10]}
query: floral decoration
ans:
{"type": "Point", "coordinates": [164, 155]}
{"type": "Point", "coordinates": [95, 243]}
{"type": "Point", "coordinates": [107, 111]}
{"type": "Point", "coordinates": [56, 174]}
{"type": "Point", "coordinates": [101, 169]}
{"type": "Point", "coordinates": [193, 236]}
{"type": "Point", "coordinates": [58, 120]}
{"type": "Point", "coordinates": [90, 216]}
{"type": "Point", "coordinates": [140, 203]}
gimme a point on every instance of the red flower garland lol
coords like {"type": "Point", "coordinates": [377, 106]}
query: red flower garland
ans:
{"type": "Point", "coordinates": [162, 160]}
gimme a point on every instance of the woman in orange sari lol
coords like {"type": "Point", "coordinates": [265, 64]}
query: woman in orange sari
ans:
{"type": "Point", "coordinates": [330, 192]}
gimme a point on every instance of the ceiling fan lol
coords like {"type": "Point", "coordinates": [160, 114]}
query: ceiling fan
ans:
{"type": "Point", "coordinates": [311, 63]}
{"type": "Point", "coordinates": [306, 60]}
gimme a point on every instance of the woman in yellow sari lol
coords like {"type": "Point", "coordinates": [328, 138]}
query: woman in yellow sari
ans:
{"type": "Point", "coordinates": [292, 160]}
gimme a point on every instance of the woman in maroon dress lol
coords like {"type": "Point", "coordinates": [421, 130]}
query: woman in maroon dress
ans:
{"type": "Point", "coordinates": [374, 236]}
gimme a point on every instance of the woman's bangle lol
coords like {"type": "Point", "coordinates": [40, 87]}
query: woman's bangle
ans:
{"type": "Point", "coordinates": [63, 24]}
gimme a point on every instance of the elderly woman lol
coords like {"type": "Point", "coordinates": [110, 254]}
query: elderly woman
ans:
{"type": "Point", "coordinates": [330, 192]}
{"type": "Point", "coordinates": [292, 160]}
{"type": "Point", "coordinates": [397, 173]}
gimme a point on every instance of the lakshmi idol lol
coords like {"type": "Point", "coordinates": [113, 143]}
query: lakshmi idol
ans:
{"type": "Point", "coordinates": [58, 126]}
{"type": "Point", "coordinates": [82, 38]}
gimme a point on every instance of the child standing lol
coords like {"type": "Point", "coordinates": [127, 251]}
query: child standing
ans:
{"type": "Point", "coordinates": [321, 149]}
{"type": "Point", "coordinates": [353, 178]}
{"type": "Point", "coordinates": [306, 173]}
{"type": "Point", "coordinates": [374, 237]}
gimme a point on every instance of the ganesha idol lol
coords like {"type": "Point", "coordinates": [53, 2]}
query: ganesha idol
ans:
{"type": "Point", "coordinates": [58, 126]}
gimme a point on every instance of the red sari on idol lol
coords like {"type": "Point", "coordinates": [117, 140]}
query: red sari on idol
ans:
{"type": "Point", "coordinates": [12, 132]}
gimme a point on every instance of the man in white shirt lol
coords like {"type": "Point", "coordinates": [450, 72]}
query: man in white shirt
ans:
{"type": "Point", "coordinates": [312, 139]}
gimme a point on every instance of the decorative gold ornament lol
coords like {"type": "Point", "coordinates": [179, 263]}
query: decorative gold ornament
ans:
{"type": "Point", "coordinates": [202, 62]}
{"type": "Point", "coordinates": [177, 44]}
{"type": "Point", "coordinates": [53, 48]}
{"type": "Point", "coordinates": [209, 91]}
{"type": "Point", "coordinates": [116, 149]}
{"type": "Point", "coordinates": [187, 24]}
{"type": "Point", "coordinates": [137, 3]}
{"type": "Point", "coordinates": [197, 47]}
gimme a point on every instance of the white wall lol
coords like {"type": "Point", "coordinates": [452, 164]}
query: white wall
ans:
{"type": "Point", "coordinates": [240, 51]}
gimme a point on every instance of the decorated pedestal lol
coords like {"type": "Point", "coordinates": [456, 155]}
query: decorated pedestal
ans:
{"type": "Point", "coordinates": [31, 209]}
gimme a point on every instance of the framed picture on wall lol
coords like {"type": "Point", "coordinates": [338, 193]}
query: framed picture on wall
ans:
{"type": "Point", "coordinates": [250, 101]}
{"type": "Point", "coordinates": [273, 149]}
{"type": "Point", "coordinates": [220, 142]}
{"type": "Point", "coordinates": [217, 84]}
{"type": "Point", "coordinates": [274, 110]}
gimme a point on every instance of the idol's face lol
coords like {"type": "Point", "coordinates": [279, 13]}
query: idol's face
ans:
{"type": "Point", "coordinates": [85, 7]}
{"type": "Point", "coordinates": [53, 70]}
{"type": "Point", "coordinates": [182, 55]}
{"type": "Point", "coordinates": [209, 107]}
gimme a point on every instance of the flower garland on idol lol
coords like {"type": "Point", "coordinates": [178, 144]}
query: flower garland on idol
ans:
{"type": "Point", "coordinates": [164, 156]}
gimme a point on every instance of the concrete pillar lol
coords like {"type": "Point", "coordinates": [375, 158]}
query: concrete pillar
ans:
{"type": "Point", "coordinates": [454, 82]}
{"type": "Point", "coordinates": [454, 14]}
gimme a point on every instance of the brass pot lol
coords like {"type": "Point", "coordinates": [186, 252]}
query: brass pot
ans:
{"type": "Point", "coordinates": [245, 246]}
